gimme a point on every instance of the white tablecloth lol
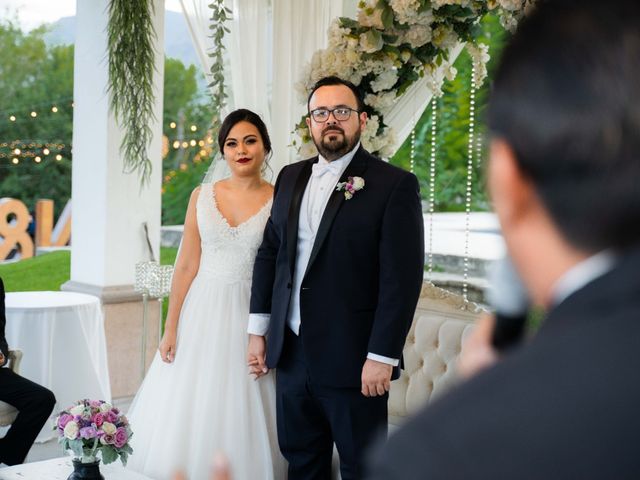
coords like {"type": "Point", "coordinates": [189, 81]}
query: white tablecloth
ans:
{"type": "Point", "coordinates": [61, 335]}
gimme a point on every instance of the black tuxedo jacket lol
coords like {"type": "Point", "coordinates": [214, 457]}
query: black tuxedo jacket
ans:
{"type": "Point", "coordinates": [363, 279]}
{"type": "Point", "coordinates": [566, 406]}
{"type": "Point", "coordinates": [3, 321]}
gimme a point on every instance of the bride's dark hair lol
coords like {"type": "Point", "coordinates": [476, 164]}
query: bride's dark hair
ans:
{"type": "Point", "coordinates": [243, 115]}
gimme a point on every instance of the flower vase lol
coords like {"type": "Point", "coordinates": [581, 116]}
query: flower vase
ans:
{"type": "Point", "coordinates": [86, 471]}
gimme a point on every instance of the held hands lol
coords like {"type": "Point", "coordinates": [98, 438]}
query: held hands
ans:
{"type": "Point", "coordinates": [477, 351]}
{"type": "Point", "coordinates": [376, 378]}
{"type": "Point", "coordinates": [168, 346]}
{"type": "Point", "coordinates": [256, 356]}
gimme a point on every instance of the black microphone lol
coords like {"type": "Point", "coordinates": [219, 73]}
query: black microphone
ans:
{"type": "Point", "coordinates": [509, 299]}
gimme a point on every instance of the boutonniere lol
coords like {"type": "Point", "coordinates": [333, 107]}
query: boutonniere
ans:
{"type": "Point", "coordinates": [351, 186]}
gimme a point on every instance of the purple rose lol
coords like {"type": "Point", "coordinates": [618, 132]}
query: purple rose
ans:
{"type": "Point", "coordinates": [88, 432]}
{"type": "Point", "coordinates": [111, 417]}
{"type": "Point", "coordinates": [121, 438]}
{"type": "Point", "coordinates": [95, 403]}
{"type": "Point", "coordinates": [107, 439]}
{"type": "Point", "coordinates": [64, 419]}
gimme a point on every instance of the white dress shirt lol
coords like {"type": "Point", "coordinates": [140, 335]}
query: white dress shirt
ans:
{"type": "Point", "coordinates": [324, 177]}
{"type": "Point", "coordinates": [581, 274]}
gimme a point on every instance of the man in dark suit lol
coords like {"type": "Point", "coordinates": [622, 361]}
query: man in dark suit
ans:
{"type": "Point", "coordinates": [335, 283]}
{"type": "Point", "coordinates": [33, 402]}
{"type": "Point", "coordinates": [564, 176]}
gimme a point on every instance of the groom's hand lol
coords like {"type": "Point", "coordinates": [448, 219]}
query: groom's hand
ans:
{"type": "Point", "coordinates": [256, 355]}
{"type": "Point", "coordinates": [376, 378]}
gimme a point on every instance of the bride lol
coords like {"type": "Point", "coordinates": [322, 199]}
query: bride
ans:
{"type": "Point", "coordinates": [197, 397]}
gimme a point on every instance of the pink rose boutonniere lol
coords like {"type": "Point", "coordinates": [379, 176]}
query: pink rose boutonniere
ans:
{"type": "Point", "coordinates": [350, 187]}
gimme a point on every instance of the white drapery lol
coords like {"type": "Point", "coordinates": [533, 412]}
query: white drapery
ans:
{"type": "Point", "coordinates": [269, 44]}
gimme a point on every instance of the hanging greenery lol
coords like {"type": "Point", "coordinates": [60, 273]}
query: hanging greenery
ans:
{"type": "Point", "coordinates": [220, 14]}
{"type": "Point", "coordinates": [131, 38]}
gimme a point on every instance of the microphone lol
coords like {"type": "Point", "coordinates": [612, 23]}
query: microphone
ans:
{"type": "Point", "coordinates": [509, 299]}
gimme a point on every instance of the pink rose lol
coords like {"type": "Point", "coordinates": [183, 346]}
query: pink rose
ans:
{"type": "Point", "coordinates": [107, 439]}
{"type": "Point", "coordinates": [111, 417]}
{"type": "Point", "coordinates": [121, 438]}
{"type": "Point", "coordinates": [98, 419]}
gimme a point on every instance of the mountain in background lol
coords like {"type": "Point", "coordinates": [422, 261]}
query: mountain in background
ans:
{"type": "Point", "coordinates": [177, 40]}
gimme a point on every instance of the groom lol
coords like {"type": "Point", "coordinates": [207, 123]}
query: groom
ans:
{"type": "Point", "coordinates": [335, 286]}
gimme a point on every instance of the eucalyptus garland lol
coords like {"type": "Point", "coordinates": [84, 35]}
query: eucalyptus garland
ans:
{"type": "Point", "coordinates": [220, 14]}
{"type": "Point", "coordinates": [131, 38]}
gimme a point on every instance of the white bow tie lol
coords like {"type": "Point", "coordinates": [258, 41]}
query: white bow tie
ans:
{"type": "Point", "coordinates": [319, 169]}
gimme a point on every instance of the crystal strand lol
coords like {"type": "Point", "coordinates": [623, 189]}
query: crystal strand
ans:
{"type": "Point", "coordinates": [412, 155]}
{"type": "Point", "coordinates": [432, 181]}
{"type": "Point", "coordinates": [472, 116]}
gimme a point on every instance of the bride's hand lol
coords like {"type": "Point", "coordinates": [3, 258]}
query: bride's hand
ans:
{"type": "Point", "coordinates": [256, 355]}
{"type": "Point", "coordinates": [168, 346]}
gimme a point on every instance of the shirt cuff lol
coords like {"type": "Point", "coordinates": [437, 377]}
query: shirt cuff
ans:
{"type": "Point", "coordinates": [258, 323]}
{"type": "Point", "coordinates": [379, 358]}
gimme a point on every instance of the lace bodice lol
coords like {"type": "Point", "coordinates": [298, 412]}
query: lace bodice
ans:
{"type": "Point", "coordinates": [227, 252]}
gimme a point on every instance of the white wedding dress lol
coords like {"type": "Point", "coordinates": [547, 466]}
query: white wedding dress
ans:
{"type": "Point", "coordinates": [205, 401]}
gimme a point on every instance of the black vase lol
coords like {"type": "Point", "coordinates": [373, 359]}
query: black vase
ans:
{"type": "Point", "coordinates": [86, 471]}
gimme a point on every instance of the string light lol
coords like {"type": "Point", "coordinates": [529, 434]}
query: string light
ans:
{"type": "Point", "coordinates": [193, 143]}
{"type": "Point", "coordinates": [46, 151]}
{"type": "Point", "coordinates": [193, 128]}
{"type": "Point", "coordinates": [176, 144]}
{"type": "Point", "coordinates": [201, 143]}
{"type": "Point", "coordinates": [432, 180]}
{"type": "Point", "coordinates": [12, 118]}
{"type": "Point", "coordinates": [54, 109]}
{"type": "Point", "coordinates": [34, 114]}
{"type": "Point", "coordinates": [472, 117]}
{"type": "Point", "coordinates": [58, 157]}
{"type": "Point", "coordinates": [17, 151]}
{"type": "Point", "coordinates": [37, 159]}
{"type": "Point", "coordinates": [15, 161]}
{"type": "Point", "coordinates": [172, 125]}
{"type": "Point", "coordinates": [185, 144]}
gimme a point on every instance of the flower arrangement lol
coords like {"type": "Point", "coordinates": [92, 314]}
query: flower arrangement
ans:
{"type": "Point", "coordinates": [391, 45]}
{"type": "Point", "coordinates": [350, 187]}
{"type": "Point", "coordinates": [92, 426]}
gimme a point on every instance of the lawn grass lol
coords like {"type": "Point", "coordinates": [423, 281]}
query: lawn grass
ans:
{"type": "Point", "coordinates": [51, 270]}
{"type": "Point", "coordinates": [44, 272]}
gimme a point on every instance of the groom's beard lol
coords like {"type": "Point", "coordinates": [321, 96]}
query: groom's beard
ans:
{"type": "Point", "coordinates": [334, 143]}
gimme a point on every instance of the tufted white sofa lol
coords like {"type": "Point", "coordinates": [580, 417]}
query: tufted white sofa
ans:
{"type": "Point", "coordinates": [440, 325]}
{"type": "Point", "coordinates": [7, 412]}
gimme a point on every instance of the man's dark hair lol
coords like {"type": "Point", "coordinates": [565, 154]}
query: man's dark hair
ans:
{"type": "Point", "coordinates": [243, 115]}
{"type": "Point", "coordinates": [333, 80]}
{"type": "Point", "coordinates": [566, 98]}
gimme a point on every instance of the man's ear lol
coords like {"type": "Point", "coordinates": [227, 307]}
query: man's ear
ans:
{"type": "Point", "coordinates": [512, 192]}
{"type": "Point", "coordinates": [362, 118]}
{"type": "Point", "coordinates": [308, 120]}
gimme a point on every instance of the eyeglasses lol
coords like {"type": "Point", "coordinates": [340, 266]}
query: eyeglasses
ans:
{"type": "Point", "coordinates": [341, 114]}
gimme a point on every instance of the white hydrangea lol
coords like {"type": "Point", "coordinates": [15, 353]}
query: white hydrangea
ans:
{"type": "Point", "coordinates": [444, 37]}
{"type": "Point", "coordinates": [371, 41]}
{"type": "Point", "coordinates": [511, 5]}
{"type": "Point", "coordinates": [435, 4]}
{"type": "Point", "coordinates": [418, 35]}
{"type": "Point", "coordinates": [385, 80]}
{"type": "Point", "coordinates": [370, 20]}
{"type": "Point", "coordinates": [381, 101]}
{"type": "Point", "coordinates": [406, 11]}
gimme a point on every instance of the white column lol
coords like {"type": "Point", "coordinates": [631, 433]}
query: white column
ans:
{"type": "Point", "coordinates": [109, 207]}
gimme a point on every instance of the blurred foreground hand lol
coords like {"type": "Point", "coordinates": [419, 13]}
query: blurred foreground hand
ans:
{"type": "Point", "coordinates": [478, 352]}
{"type": "Point", "coordinates": [220, 469]}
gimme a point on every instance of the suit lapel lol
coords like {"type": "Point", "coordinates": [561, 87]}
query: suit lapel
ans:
{"type": "Point", "coordinates": [355, 168]}
{"type": "Point", "coordinates": [294, 212]}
